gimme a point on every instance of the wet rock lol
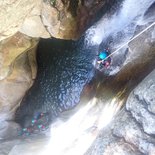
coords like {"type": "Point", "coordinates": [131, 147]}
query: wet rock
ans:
{"type": "Point", "coordinates": [37, 147]}
{"type": "Point", "coordinates": [141, 104]}
{"type": "Point", "coordinates": [131, 132]}
{"type": "Point", "coordinates": [24, 146]}
{"type": "Point", "coordinates": [149, 14]}
{"type": "Point", "coordinates": [89, 10]}
{"type": "Point", "coordinates": [9, 129]}
{"type": "Point", "coordinates": [17, 73]}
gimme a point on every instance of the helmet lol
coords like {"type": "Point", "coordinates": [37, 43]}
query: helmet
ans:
{"type": "Point", "coordinates": [103, 55]}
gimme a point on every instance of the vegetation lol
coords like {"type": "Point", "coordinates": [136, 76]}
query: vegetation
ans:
{"type": "Point", "coordinates": [53, 2]}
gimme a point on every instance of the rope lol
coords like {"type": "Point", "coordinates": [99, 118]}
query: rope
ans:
{"type": "Point", "coordinates": [130, 40]}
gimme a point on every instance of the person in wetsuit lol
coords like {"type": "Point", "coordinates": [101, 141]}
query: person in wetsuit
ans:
{"type": "Point", "coordinates": [103, 59]}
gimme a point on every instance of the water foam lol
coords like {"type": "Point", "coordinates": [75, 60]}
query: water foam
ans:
{"type": "Point", "coordinates": [109, 25]}
{"type": "Point", "coordinates": [77, 134]}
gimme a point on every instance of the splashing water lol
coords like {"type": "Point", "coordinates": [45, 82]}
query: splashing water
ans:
{"type": "Point", "coordinates": [111, 24]}
{"type": "Point", "coordinates": [77, 134]}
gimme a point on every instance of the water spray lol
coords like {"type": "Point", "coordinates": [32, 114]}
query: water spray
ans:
{"type": "Point", "coordinates": [136, 36]}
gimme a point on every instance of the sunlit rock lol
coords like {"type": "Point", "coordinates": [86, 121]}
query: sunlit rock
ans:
{"type": "Point", "coordinates": [56, 18]}
{"type": "Point", "coordinates": [120, 148]}
{"type": "Point", "coordinates": [133, 134]}
{"type": "Point", "coordinates": [59, 21]}
{"type": "Point", "coordinates": [32, 25]}
{"type": "Point", "coordinates": [17, 73]}
{"type": "Point", "coordinates": [13, 14]}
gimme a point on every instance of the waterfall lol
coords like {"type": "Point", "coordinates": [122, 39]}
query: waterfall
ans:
{"type": "Point", "coordinates": [131, 11]}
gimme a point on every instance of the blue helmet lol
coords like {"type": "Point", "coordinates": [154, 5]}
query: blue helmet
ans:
{"type": "Point", "coordinates": [103, 55]}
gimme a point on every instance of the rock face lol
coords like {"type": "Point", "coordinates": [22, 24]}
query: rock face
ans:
{"type": "Point", "coordinates": [32, 25]}
{"type": "Point", "coordinates": [141, 104]}
{"type": "Point", "coordinates": [131, 133]}
{"type": "Point", "coordinates": [65, 19]}
{"type": "Point", "coordinates": [17, 72]}
{"type": "Point", "coordinates": [12, 15]}
{"type": "Point", "coordinates": [58, 20]}
{"type": "Point", "coordinates": [137, 126]}
{"type": "Point", "coordinates": [68, 19]}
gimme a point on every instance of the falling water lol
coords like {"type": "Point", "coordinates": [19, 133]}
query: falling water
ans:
{"type": "Point", "coordinates": [130, 12]}
{"type": "Point", "coordinates": [78, 133]}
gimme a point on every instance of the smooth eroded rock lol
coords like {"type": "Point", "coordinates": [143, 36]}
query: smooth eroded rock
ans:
{"type": "Point", "coordinates": [12, 15]}
{"type": "Point", "coordinates": [17, 72]}
{"type": "Point", "coordinates": [141, 104]}
{"type": "Point", "coordinates": [33, 25]}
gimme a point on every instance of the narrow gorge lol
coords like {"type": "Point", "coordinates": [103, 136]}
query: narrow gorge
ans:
{"type": "Point", "coordinates": [54, 99]}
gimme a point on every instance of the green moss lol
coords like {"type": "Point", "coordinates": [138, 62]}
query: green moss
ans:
{"type": "Point", "coordinates": [53, 2]}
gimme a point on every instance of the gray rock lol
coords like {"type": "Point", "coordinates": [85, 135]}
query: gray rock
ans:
{"type": "Point", "coordinates": [120, 148]}
{"type": "Point", "coordinates": [132, 131]}
{"type": "Point", "coordinates": [141, 104]}
{"type": "Point", "coordinates": [128, 129]}
{"type": "Point", "coordinates": [5, 147]}
{"type": "Point", "coordinates": [8, 129]}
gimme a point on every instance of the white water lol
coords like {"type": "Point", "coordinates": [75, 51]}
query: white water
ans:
{"type": "Point", "coordinates": [131, 11]}
{"type": "Point", "coordinates": [74, 136]}
{"type": "Point", "coordinates": [77, 134]}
